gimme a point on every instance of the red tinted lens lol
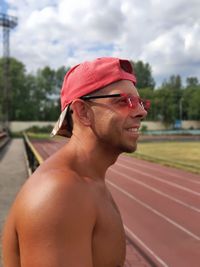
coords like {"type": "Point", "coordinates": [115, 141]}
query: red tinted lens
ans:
{"type": "Point", "coordinates": [146, 104]}
{"type": "Point", "coordinates": [133, 101]}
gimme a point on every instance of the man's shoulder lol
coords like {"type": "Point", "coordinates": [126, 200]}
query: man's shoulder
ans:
{"type": "Point", "coordinates": [53, 195]}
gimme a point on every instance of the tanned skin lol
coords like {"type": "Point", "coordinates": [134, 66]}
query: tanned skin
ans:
{"type": "Point", "coordinates": [64, 215]}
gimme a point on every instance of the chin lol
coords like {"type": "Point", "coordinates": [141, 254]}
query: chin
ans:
{"type": "Point", "coordinates": [129, 148]}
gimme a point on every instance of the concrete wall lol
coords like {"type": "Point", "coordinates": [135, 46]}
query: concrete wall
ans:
{"type": "Point", "coordinates": [191, 124]}
{"type": "Point", "coordinates": [151, 125]}
{"type": "Point", "coordinates": [17, 126]}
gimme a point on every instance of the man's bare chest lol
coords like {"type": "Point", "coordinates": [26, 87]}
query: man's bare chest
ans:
{"type": "Point", "coordinates": [108, 236]}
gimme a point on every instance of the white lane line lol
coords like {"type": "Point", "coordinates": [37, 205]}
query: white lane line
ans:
{"type": "Point", "coordinates": [130, 233]}
{"type": "Point", "coordinates": [157, 191]}
{"type": "Point", "coordinates": [165, 171]}
{"type": "Point", "coordinates": [160, 179]}
{"type": "Point", "coordinates": [156, 212]}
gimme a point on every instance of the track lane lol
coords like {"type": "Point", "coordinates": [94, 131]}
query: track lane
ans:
{"type": "Point", "coordinates": [173, 246]}
{"type": "Point", "coordinates": [161, 169]}
{"type": "Point", "coordinates": [170, 210]}
{"type": "Point", "coordinates": [137, 181]}
{"type": "Point", "coordinates": [157, 260]}
{"type": "Point", "coordinates": [150, 179]}
{"type": "Point", "coordinates": [160, 179]}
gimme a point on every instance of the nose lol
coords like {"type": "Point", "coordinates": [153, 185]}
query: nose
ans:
{"type": "Point", "coordinates": [138, 111]}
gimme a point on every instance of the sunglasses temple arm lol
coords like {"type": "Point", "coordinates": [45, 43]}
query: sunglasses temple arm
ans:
{"type": "Point", "coordinates": [99, 96]}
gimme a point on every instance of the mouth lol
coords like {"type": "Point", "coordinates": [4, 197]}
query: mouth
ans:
{"type": "Point", "coordinates": [134, 129]}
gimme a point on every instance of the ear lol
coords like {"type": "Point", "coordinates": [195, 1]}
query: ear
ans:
{"type": "Point", "coordinates": [81, 111]}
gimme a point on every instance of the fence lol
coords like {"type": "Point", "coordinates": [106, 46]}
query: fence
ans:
{"type": "Point", "coordinates": [34, 158]}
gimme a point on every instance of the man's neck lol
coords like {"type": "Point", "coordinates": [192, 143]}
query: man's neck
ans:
{"type": "Point", "coordinates": [91, 158]}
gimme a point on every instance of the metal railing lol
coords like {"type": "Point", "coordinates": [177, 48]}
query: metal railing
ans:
{"type": "Point", "coordinates": [34, 159]}
{"type": "Point", "coordinates": [4, 138]}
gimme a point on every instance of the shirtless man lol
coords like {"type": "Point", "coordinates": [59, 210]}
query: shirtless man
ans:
{"type": "Point", "coordinates": [64, 215]}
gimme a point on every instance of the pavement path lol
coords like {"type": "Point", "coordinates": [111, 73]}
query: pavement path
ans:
{"type": "Point", "coordinates": [13, 173]}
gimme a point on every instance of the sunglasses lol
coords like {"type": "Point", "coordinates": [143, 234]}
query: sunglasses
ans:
{"type": "Point", "coordinates": [131, 101]}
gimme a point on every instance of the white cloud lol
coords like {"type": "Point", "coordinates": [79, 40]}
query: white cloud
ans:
{"type": "Point", "coordinates": [164, 33]}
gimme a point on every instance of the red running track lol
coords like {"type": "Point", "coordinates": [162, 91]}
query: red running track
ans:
{"type": "Point", "coordinates": [160, 208]}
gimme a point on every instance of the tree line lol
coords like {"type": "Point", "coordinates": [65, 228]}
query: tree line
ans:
{"type": "Point", "coordinates": [36, 96]}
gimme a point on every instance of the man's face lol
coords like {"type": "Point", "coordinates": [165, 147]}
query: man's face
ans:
{"type": "Point", "coordinates": [116, 124]}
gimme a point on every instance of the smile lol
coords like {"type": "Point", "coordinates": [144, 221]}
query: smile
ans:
{"type": "Point", "coordinates": [133, 130]}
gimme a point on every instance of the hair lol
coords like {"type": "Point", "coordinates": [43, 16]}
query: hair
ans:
{"type": "Point", "coordinates": [69, 119]}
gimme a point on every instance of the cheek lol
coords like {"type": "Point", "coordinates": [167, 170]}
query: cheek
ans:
{"type": "Point", "coordinates": [109, 121]}
{"type": "Point", "coordinates": [113, 122]}
{"type": "Point", "coordinates": [104, 122]}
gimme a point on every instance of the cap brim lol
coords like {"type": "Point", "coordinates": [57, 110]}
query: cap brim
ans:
{"type": "Point", "coordinates": [60, 127]}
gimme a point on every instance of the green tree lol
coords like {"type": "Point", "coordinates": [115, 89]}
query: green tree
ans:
{"type": "Point", "coordinates": [174, 85]}
{"type": "Point", "coordinates": [49, 83]}
{"type": "Point", "coordinates": [164, 108]}
{"type": "Point", "coordinates": [18, 93]}
{"type": "Point", "coordinates": [32, 97]}
{"type": "Point", "coordinates": [194, 105]}
{"type": "Point", "coordinates": [32, 112]}
{"type": "Point", "coordinates": [144, 74]}
{"type": "Point", "coordinates": [191, 103]}
{"type": "Point", "coordinates": [191, 99]}
{"type": "Point", "coordinates": [59, 75]}
{"type": "Point", "coordinates": [192, 82]}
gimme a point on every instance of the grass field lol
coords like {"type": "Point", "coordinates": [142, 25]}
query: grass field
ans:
{"type": "Point", "coordinates": [39, 135]}
{"type": "Point", "coordinates": [184, 155]}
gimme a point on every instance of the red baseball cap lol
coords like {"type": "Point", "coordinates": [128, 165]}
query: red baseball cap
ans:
{"type": "Point", "coordinates": [87, 77]}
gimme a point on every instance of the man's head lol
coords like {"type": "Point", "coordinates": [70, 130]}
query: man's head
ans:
{"type": "Point", "coordinates": [87, 78]}
{"type": "Point", "coordinates": [103, 98]}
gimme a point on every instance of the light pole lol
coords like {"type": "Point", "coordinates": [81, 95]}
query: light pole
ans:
{"type": "Point", "coordinates": [7, 22]}
{"type": "Point", "coordinates": [181, 110]}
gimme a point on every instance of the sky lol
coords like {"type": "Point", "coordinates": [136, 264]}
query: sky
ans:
{"type": "Point", "coordinates": [166, 34]}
